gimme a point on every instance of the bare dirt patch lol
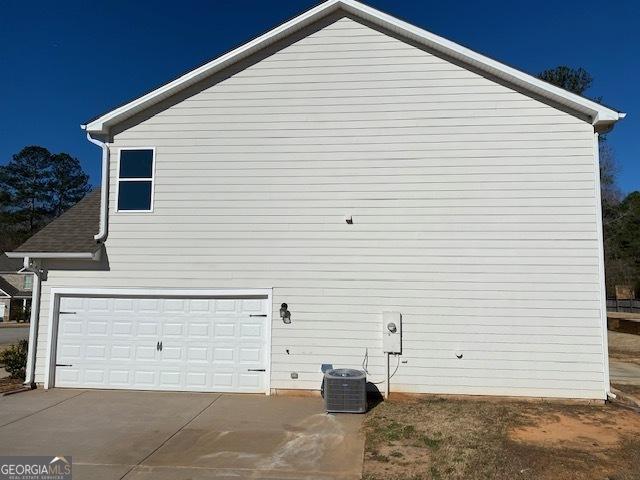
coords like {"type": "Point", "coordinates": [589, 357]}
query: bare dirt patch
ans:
{"type": "Point", "coordinates": [8, 384]}
{"type": "Point", "coordinates": [596, 430]}
{"type": "Point", "coordinates": [435, 438]}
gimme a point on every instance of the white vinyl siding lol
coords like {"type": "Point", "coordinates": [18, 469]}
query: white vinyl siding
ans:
{"type": "Point", "coordinates": [474, 215]}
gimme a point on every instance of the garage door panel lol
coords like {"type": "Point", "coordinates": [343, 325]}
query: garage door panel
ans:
{"type": "Point", "coordinates": [123, 305]}
{"type": "Point", "coordinates": [175, 305]}
{"type": "Point", "coordinates": [200, 329]}
{"type": "Point", "coordinates": [145, 378]}
{"type": "Point", "coordinates": [122, 327]}
{"type": "Point", "coordinates": [97, 305]}
{"type": "Point", "coordinates": [121, 352]}
{"type": "Point", "coordinates": [148, 328]}
{"type": "Point", "coordinates": [94, 376]}
{"type": "Point", "coordinates": [248, 381]}
{"type": "Point", "coordinates": [174, 329]}
{"type": "Point", "coordinates": [73, 328]}
{"type": "Point", "coordinates": [145, 353]}
{"type": "Point", "coordinates": [207, 344]}
{"type": "Point", "coordinates": [172, 353]}
{"type": "Point", "coordinates": [95, 328]}
{"type": "Point", "coordinates": [95, 352]}
{"type": "Point", "coordinates": [120, 377]}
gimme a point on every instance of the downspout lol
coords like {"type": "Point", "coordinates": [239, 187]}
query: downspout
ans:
{"type": "Point", "coordinates": [601, 270]}
{"type": "Point", "coordinates": [387, 380]}
{"type": "Point", "coordinates": [35, 317]}
{"type": "Point", "coordinates": [104, 189]}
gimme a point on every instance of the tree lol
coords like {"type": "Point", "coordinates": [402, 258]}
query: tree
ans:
{"type": "Point", "coordinates": [7, 234]}
{"type": "Point", "coordinates": [35, 187]}
{"type": "Point", "coordinates": [622, 243]}
{"type": "Point", "coordinates": [576, 80]}
{"type": "Point", "coordinates": [26, 179]}
{"type": "Point", "coordinates": [69, 183]}
{"type": "Point", "coordinates": [608, 172]}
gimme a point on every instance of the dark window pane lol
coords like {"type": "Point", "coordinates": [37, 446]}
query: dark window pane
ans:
{"type": "Point", "coordinates": [134, 195]}
{"type": "Point", "coordinates": [136, 163]}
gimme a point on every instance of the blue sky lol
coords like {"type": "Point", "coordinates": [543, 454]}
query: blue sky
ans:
{"type": "Point", "coordinates": [61, 63]}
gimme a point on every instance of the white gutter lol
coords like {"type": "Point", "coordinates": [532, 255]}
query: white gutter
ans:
{"type": "Point", "coordinates": [104, 188]}
{"type": "Point", "coordinates": [35, 317]}
{"type": "Point", "coordinates": [59, 255]}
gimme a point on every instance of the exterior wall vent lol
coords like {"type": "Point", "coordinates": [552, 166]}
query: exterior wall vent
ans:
{"type": "Point", "coordinates": [345, 391]}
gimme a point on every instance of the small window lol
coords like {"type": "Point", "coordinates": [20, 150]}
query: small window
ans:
{"type": "Point", "coordinates": [28, 282]}
{"type": "Point", "coordinates": [135, 180]}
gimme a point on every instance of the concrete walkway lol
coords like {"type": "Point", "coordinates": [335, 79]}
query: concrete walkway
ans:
{"type": "Point", "coordinates": [166, 435]}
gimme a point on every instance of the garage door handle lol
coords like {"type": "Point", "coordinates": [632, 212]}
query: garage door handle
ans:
{"type": "Point", "coordinates": [256, 370]}
{"type": "Point", "coordinates": [63, 365]}
{"type": "Point", "coordinates": [258, 315]}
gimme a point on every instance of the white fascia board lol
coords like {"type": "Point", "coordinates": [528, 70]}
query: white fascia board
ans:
{"type": "Point", "coordinates": [164, 292]}
{"type": "Point", "coordinates": [598, 113]}
{"type": "Point", "coordinates": [61, 255]}
{"type": "Point", "coordinates": [4, 294]}
{"type": "Point", "coordinates": [465, 55]}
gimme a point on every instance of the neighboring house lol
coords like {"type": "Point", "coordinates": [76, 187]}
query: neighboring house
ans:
{"type": "Point", "coordinates": [347, 164]}
{"type": "Point", "coordinates": [15, 290]}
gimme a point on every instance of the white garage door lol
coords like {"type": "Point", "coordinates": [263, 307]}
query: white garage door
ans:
{"type": "Point", "coordinates": [195, 344]}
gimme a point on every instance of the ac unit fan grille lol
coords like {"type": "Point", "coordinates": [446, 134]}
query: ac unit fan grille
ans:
{"type": "Point", "coordinates": [345, 391]}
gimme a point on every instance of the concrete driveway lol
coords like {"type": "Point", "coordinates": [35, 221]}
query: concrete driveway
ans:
{"type": "Point", "coordinates": [161, 435]}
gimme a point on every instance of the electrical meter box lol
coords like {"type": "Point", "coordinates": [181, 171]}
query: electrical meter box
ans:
{"type": "Point", "coordinates": [392, 332]}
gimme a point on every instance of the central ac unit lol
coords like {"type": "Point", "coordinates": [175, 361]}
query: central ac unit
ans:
{"type": "Point", "coordinates": [345, 391]}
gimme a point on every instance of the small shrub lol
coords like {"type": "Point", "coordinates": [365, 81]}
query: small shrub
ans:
{"type": "Point", "coordinates": [14, 359]}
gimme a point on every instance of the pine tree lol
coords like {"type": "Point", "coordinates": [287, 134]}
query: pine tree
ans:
{"type": "Point", "coordinates": [26, 180]}
{"type": "Point", "coordinates": [35, 187]}
{"type": "Point", "coordinates": [69, 183]}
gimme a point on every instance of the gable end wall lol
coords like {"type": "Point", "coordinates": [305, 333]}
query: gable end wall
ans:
{"type": "Point", "coordinates": [474, 214]}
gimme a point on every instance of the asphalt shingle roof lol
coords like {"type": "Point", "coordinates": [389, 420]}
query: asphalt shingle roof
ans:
{"type": "Point", "coordinates": [71, 232]}
{"type": "Point", "coordinates": [12, 291]}
{"type": "Point", "coordinates": [9, 265]}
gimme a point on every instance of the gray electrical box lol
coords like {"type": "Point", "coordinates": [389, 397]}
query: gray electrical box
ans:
{"type": "Point", "coordinates": [391, 332]}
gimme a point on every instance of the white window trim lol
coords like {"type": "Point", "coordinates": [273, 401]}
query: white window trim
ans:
{"type": "Point", "coordinates": [57, 292]}
{"type": "Point", "coordinates": [153, 179]}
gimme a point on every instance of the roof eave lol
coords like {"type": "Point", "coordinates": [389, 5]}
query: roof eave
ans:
{"type": "Point", "coordinates": [596, 112]}
{"type": "Point", "coordinates": [57, 255]}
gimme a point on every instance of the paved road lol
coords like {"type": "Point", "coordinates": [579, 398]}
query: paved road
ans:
{"type": "Point", "coordinates": [11, 335]}
{"type": "Point", "coordinates": [624, 373]}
